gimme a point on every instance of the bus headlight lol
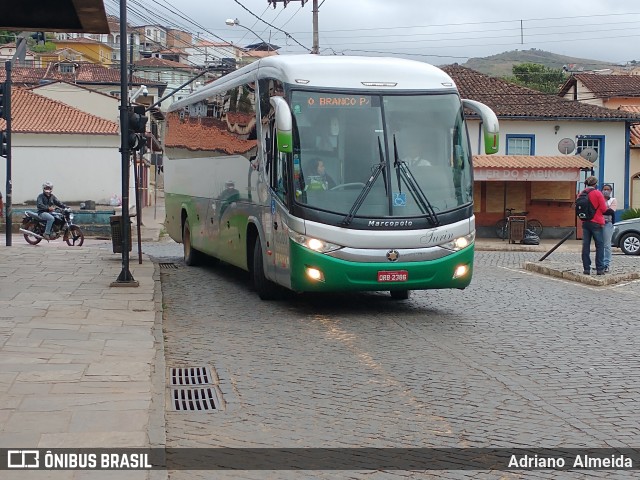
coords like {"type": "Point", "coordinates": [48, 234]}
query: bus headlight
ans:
{"type": "Point", "coordinates": [313, 243]}
{"type": "Point", "coordinates": [461, 271]}
{"type": "Point", "coordinates": [315, 274]}
{"type": "Point", "coordinates": [460, 242]}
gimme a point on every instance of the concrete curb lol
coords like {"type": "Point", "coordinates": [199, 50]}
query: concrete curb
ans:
{"type": "Point", "coordinates": [567, 272]}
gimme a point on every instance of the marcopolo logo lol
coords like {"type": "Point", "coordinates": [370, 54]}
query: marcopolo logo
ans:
{"type": "Point", "coordinates": [390, 223]}
{"type": "Point", "coordinates": [23, 458]}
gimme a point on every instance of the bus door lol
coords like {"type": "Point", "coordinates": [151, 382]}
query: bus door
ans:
{"type": "Point", "coordinates": [279, 212]}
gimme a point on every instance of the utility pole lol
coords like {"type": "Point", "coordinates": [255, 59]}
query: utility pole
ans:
{"type": "Point", "coordinates": [315, 49]}
{"type": "Point", "coordinates": [5, 145]}
{"type": "Point", "coordinates": [125, 279]}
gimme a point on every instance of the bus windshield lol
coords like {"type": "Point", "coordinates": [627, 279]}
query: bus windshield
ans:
{"type": "Point", "coordinates": [347, 146]}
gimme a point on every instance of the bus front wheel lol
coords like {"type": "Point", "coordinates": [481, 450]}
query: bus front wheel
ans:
{"type": "Point", "coordinates": [191, 255]}
{"type": "Point", "coordinates": [265, 288]}
{"type": "Point", "coordinates": [400, 294]}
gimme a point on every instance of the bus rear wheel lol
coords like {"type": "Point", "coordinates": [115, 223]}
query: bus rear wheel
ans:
{"type": "Point", "coordinates": [400, 294]}
{"type": "Point", "coordinates": [266, 289]}
{"type": "Point", "coordinates": [191, 255]}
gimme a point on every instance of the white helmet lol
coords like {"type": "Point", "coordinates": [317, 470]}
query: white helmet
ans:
{"type": "Point", "coordinates": [47, 186]}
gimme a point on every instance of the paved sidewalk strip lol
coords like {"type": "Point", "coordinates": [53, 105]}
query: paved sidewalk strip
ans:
{"type": "Point", "coordinates": [76, 355]}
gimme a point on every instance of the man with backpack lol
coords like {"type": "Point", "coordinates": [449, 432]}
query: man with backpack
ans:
{"type": "Point", "coordinates": [590, 208]}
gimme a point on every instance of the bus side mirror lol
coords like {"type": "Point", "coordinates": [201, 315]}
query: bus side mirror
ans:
{"type": "Point", "coordinates": [284, 124]}
{"type": "Point", "coordinates": [490, 126]}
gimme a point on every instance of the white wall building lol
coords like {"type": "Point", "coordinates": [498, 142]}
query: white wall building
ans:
{"type": "Point", "coordinates": [89, 101]}
{"type": "Point", "coordinates": [54, 142]}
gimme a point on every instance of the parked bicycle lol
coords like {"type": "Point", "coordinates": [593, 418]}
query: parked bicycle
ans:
{"type": "Point", "coordinates": [502, 225]}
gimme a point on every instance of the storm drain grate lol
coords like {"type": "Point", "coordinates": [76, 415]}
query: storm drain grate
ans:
{"type": "Point", "coordinates": [168, 265]}
{"type": "Point", "coordinates": [190, 376]}
{"type": "Point", "coordinates": [194, 399]}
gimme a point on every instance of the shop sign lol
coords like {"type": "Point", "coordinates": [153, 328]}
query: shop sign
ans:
{"type": "Point", "coordinates": [525, 175]}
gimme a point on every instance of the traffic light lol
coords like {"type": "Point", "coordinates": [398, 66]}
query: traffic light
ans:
{"type": "Point", "coordinates": [4, 111]}
{"type": "Point", "coordinates": [4, 148]}
{"type": "Point", "coordinates": [137, 127]}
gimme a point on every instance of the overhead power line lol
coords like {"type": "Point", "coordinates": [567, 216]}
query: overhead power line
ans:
{"type": "Point", "coordinates": [273, 26]}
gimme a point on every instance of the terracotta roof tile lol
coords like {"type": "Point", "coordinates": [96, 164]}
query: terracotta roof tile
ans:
{"type": "Point", "coordinates": [634, 133]}
{"type": "Point", "coordinates": [204, 134]}
{"type": "Point", "coordinates": [32, 113]}
{"type": "Point", "coordinates": [86, 73]}
{"type": "Point", "coordinates": [605, 86]}
{"type": "Point", "coordinates": [572, 162]}
{"type": "Point", "coordinates": [509, 100]}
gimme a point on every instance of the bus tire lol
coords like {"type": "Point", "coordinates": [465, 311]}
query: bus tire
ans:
{"type": "Point", "coordinates": [191, 255]}
{"type": "Point", "coordinates": [265, 288]}
{"type": "Point", "coordinates": [400, 294]}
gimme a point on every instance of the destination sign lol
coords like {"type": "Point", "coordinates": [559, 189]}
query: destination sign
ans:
{"type": "Point", "coordinates": [324, 100]}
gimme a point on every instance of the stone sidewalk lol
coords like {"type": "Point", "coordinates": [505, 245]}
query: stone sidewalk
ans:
{"type": "Point", "coordinates": [558, 264]}
{"type": "Point", "coordinates": [81, 361]}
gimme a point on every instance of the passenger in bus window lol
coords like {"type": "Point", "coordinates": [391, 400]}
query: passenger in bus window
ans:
{"type": "Point", "coordinates": [319, 179]}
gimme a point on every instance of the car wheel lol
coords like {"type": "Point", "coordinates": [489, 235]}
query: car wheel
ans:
{"type": "Point", "coordinates": [630, 244]}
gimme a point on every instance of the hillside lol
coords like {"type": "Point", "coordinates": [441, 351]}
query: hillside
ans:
{"type": "Point", "coordinates": [500, 65]}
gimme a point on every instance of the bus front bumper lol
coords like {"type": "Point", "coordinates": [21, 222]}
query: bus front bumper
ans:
{"type": "Point", "coordinates": [316, 272]}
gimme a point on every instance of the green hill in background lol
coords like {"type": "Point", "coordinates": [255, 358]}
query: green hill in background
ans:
{"type": "Point", "coordinates": [500, 65]}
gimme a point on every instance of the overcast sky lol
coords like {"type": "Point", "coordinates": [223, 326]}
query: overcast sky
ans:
{"type": "Point", "coordinates": [439, 33]}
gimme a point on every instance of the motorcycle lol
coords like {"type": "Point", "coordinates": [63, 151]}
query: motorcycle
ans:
{"type": "Point", "coordinates": [33, 228]}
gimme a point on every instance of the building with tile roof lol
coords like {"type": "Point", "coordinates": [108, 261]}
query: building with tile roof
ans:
{"type": "Point", "coordinates": [609, 91]}
{"type": "Point", "coordinates": [620, 93]}
{"type": "Point", "coordinates": [91, 75]}
{"type": "Point", "coordinates": [83, 98]}
{"type": "Point", "coordinates": [206, 53]}
{"type": "Point", "coordinates": [112, 38]}
{"type": "Point", "coordinates": [173, 74]}
{"type": "Point", "coordinates": [8, 50]}
{"type": "Point", "coordinates": [52, 141]}
{"type": "Point", "coordinates": [534, 125]}
{"type": "Point", "coordinates": [93, 50]}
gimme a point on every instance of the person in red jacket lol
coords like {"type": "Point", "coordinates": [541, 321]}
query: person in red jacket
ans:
{"type": "Point", "coordinates": [594, 228]}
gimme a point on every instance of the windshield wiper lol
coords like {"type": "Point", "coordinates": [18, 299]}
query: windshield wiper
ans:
{"type": "Point", "coordinates": [418, 194]}
{"type": "Point", "coordinates": [380, 167]}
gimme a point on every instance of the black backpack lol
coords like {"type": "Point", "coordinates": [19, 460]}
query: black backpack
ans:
{"type": "Point", "coordinates": [585, 210]}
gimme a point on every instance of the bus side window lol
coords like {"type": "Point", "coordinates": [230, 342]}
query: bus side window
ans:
{"type": "Point", "coordinates": [269, 148]}
{"type": "Point", "coordinates": [277, 162]}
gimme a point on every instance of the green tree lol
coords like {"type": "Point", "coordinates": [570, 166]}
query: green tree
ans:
{"type": "Point", "coordinates": [538, 77]}
{"type": "Point", "coordinates": [47, 46]}
{"type": "Point", "coordinates": [7, 36]}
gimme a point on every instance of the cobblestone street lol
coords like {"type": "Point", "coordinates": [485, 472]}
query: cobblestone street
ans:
{"type": "Point", "coordinates": [516, 360]}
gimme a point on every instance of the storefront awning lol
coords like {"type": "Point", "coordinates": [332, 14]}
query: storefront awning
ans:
{"type": "Point", "coordinates": [529, 168]}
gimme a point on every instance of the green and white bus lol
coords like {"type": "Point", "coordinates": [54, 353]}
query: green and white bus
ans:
{"type": "Point", "coordinates": [327, 174]}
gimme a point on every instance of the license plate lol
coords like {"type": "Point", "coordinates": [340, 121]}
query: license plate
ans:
{"type": "Point", "coordinates": [393, 276]}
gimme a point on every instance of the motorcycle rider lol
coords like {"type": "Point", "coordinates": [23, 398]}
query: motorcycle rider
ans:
{"type": "Point", "coordinates": [46, 203]}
